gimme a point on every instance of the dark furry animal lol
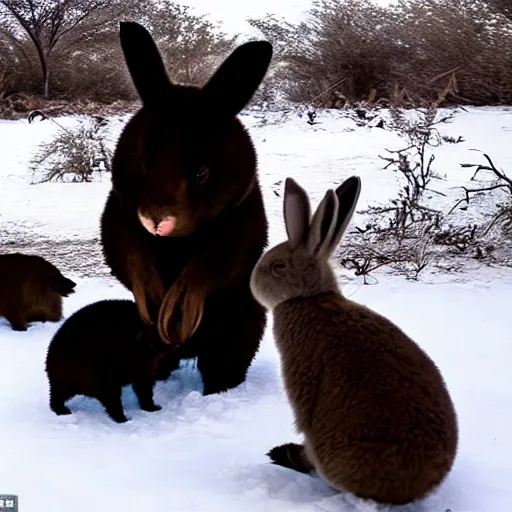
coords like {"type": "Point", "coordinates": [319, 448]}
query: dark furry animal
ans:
{"type": "Point", "coordinates": [98, 350]}
{"type": "Point", "coordinates": [185, 222]}
{"type": "Point", "coordinates": [31, 290]}
{"type": "Point", "coordinates": [377, 418]}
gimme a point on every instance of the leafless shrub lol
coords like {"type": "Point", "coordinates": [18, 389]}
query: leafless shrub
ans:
{"type": "Point", "coordinates": [460, 238]}
{"type": "Point", "coordinates": [363, 255]}
{"type": "Point", "coordinates": [428, 235]}
{"type": "Point", "coordinates": [502, 216]}
{"type": "Point", "coordinates": [73, 155]}
{"type": "Point", "coordinates": [404, 252]}
{"type": "Point", "coordinates": [17, 71]}
{"type": "Point", "coordinates": [332, 56]}
{"type": "Point", "coordinates": [414, 164]}
{"type": "Point", "coordinates": [406, 54]}
{"type": "Point", "coordinates": [403, 234]}
{"type": "Point", "coordinates": [420, 249]}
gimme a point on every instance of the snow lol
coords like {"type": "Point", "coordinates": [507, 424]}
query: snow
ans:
{"type": "Point", "coordinates": [208, 453]}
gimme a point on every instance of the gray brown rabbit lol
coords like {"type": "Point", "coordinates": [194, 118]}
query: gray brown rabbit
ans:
{"type": "Point", "coordinates": [374, 410]}
{"type": "Point", "coordinates": [31, 290]}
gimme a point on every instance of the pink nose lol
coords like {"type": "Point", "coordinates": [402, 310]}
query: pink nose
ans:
{"type": "Point", "coordinates": [164, 228]}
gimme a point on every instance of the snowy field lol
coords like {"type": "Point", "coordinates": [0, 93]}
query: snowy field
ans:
{"type": "Point", "coordinates": [208, 453]}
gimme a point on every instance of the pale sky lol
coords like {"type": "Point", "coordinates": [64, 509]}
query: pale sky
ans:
{"type": "Point", "coordinates": [233, 13]}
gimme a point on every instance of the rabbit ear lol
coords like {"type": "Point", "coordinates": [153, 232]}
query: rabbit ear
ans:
{"type": "Point", "coordinates": [323, 223]}
{"type": "Point", "coordinates": [347, 195]}
{"type": "Point", "coordinates": [297, 213]}
{"type": "Point", "coordinates": [232, 86]}
{"type": "Point", "coordinates": [144, 62]}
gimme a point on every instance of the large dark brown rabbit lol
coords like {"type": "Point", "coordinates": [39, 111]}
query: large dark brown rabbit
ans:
{"type": "Point", "coordinates": [98, 350]}
{"type": "Point", "coordinates": [185, 223]}
{"type": "Point", "coordinates": [374, 410]}
{"type": "Point", "coordinates": [31, 290]}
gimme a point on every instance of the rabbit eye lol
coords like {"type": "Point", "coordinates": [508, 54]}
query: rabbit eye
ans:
{"type": "Point", "coordinates": [278, 268]}
{"type": "Point", "coordinates": [202, 174]}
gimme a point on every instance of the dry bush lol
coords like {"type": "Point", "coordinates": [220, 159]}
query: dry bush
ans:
{"type": "Point", "coordinates": [81, 75]}
{"type": "Point", "coordinates": [406, 252]}
{"type": "Point", "coordinates": [501, 217]}
{"type": "Point", "coordinates": [406, 235]}
{"type": "Point", "coordinates": [73, 155]}
{"type": "Point", "coordinates": [191, 45]}
{"type": "Point", "coordinates": [17, 70]}
{"type": "Point", "coordinates": [462, 40]}
{"type": "Point", "coordinates": [413, 53]}
{"type": "Point", "coordinates": [287, 41]}
{"type": "Point", "coordinates": [414, 165]}
{"type": "Point", "coordinates": [401, 234]}
{"type": "Point", "coordinates": [336, 54]}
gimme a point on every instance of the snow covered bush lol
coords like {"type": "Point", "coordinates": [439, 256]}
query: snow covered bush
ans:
{"type": "Point", "coordinates": [74, 155]}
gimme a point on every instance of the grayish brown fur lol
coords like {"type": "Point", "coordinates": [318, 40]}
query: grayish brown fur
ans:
{"type": "Point", "coordinates": [374, 410]}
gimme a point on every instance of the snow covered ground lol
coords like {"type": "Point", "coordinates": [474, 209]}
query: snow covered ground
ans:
{"type": "Point", "coordinates": [208, 453]}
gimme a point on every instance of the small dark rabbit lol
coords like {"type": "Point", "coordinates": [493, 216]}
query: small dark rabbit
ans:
{"type": "Point", "coordinates": [374, 410]}
{"type": "Point", "coordinates": [185, 223]}
{"type": "Point", "coordinates": [98, 350]}
{"type": "Point", "coordinates": [31, 290]}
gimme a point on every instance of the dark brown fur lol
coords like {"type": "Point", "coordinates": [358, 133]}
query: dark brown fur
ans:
{"type": "Point", "coordinates": [203, 267]}
{"type": "Point", "coordinates": [99, 349]}
{"type": "Point", "coordinates": [31, 290]}
{"type": "Point", "coordinates": [375, 412]}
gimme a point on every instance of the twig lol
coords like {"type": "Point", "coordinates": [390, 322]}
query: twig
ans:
{"type": "Point", "coordinates": [38, 113]}
{"type": "Point", "coordinates": [474, 191]}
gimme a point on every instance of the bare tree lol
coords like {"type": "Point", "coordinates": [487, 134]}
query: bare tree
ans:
{"type": "Point", "coordinates": [75, 43]}
{"type": "Point", "coordinates": [50, 23]}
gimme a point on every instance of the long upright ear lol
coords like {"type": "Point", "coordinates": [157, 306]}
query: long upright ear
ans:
{"type": "Point", "coordinates": [297, 213]}
{"type": "Point", "coordinates": [347, 195]}
{"type": "Point", "coordinates": [323, 223]}
{"type": "Point", "coordinates": [144, 62]}
{"type": "Point", "coordinates": [232, 86]}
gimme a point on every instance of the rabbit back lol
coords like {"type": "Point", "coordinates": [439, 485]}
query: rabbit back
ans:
{"type": "Point", "coordinates": [374, 409]}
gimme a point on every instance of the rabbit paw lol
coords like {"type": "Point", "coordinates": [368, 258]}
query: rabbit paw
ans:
{"type": "Point", "coordinates": [292, 456]}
